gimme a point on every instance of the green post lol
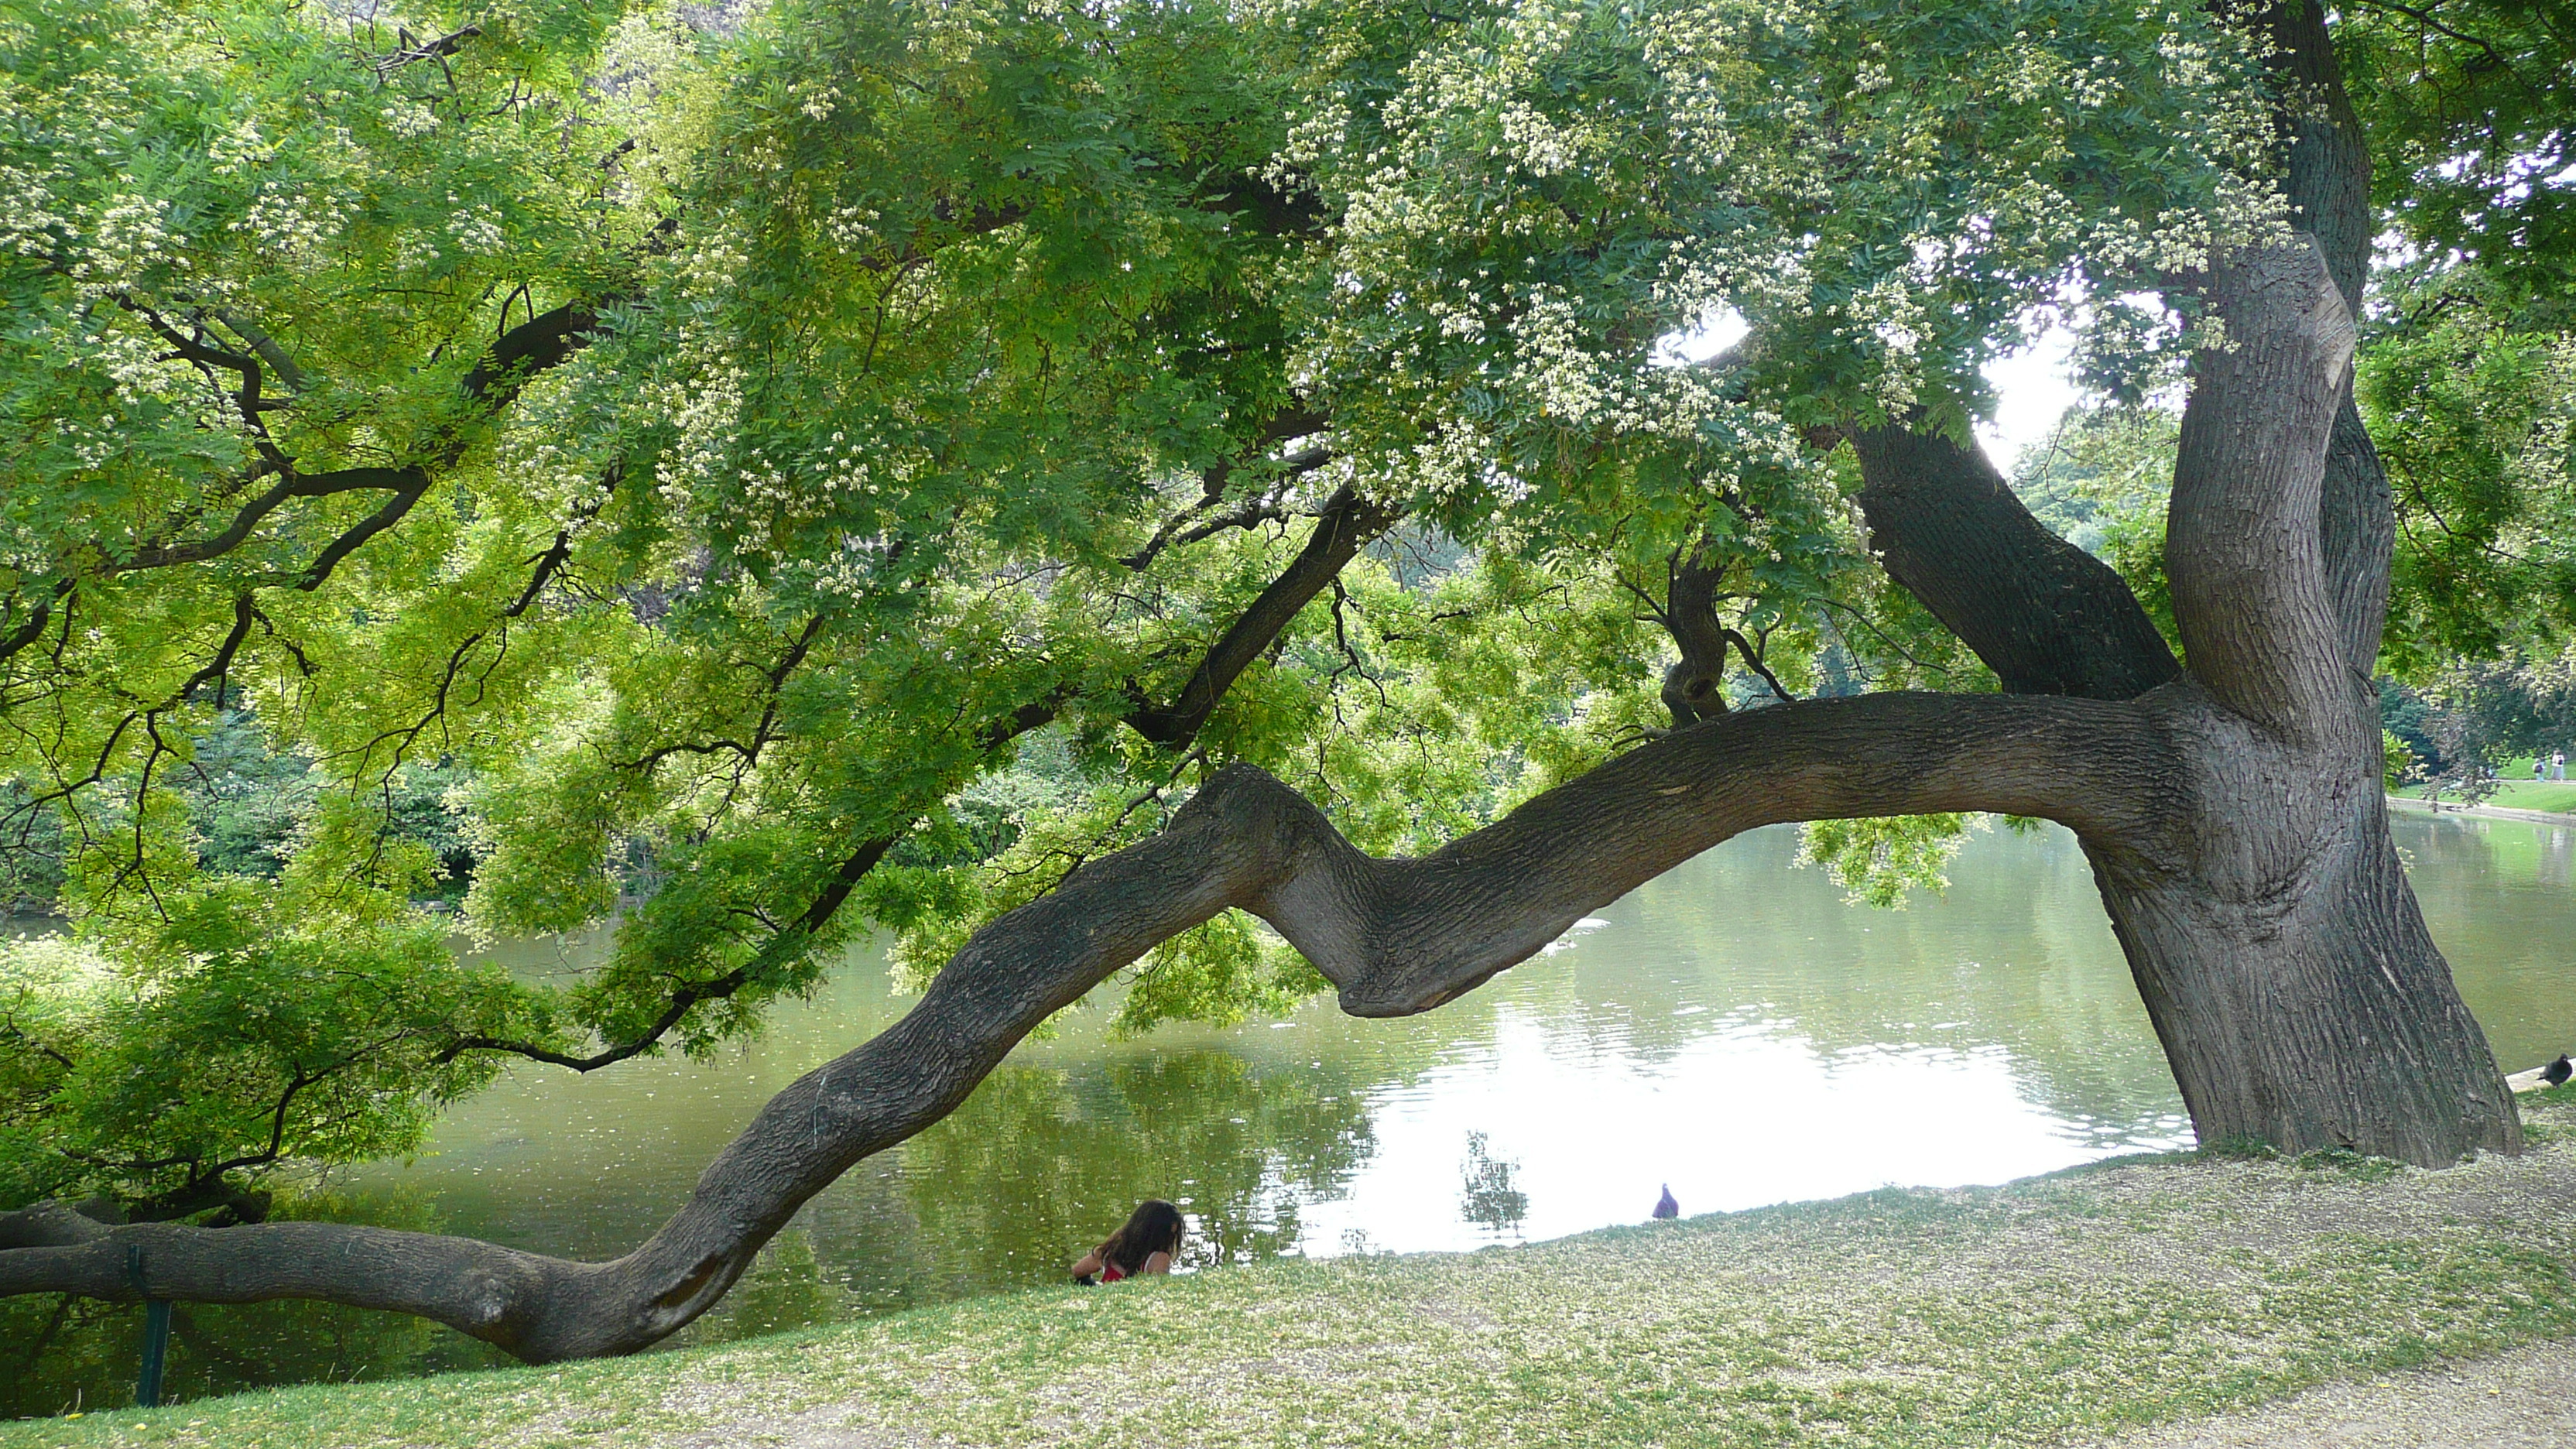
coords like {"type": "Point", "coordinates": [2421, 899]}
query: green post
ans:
{"type": "Point", "coordinates": [156, 1335]}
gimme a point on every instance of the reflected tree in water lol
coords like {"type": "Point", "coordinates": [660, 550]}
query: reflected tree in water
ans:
{"type": "Point", "coordinates": [787, 1287]}
{"type": "Point", "coordinates": [1489, 1200]}
{"type": "Point", "coordinates": [1039, 1165]}
{"type": "Point", "coordinates": [2060, 1006]}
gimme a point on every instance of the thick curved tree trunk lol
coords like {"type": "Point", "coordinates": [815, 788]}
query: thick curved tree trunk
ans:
{"type": "Point", "coordinates": [2276, 943]}
{"type": "Point", "coordinates": [2273, 937]}
{"type": "Point", "coordinates": [2299, 997]}
{"type": "Point", "coordinates": [2301, 1003]}
{"type": "Point", "coordinates": [2315, 1009]}
{"type": "Point", "coordinates": [2278, 947]}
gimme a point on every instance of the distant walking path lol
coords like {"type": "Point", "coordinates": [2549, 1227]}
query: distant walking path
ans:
{"type": "Point", "coordinates": [2492, 812]}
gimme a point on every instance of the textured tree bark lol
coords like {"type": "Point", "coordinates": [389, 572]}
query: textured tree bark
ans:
{"type": "Point", "coordinates": [1695, 684]}
{"type": "Point", "coordinates": [2046, 616]}
{"type": "Point", "coordinates": [2298, 995]}
{"type": "Point", "coordinates": [2242, 537]}
{"type": "Point", "coordinates": [1396, 937]}
{"type": "Point", "coordinates": [2299, 999]}
{"type": "Point", "coordinates": [2326, 174]}
{"type": "Point", "coordinates": [2277, 946]}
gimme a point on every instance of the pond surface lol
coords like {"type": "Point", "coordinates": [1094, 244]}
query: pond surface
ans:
{"type": "Point", "coordinates": [1732, 1030]}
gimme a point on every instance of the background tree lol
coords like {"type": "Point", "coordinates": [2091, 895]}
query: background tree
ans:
{"type": "Point", "coordinates": [1059, 485]}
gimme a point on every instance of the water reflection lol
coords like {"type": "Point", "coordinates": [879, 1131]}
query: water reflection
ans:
{"type": "Point", "coordinates": [1043, 1162]}
{"type": "Point", "coordinates": [2500, 897]}
{"type": "Point", "coordinates": [1732, 1029]}
{"type": "Point", "coordinates": [1488, 1198]}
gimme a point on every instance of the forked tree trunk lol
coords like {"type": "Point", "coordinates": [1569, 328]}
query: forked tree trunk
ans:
{"type": "Point", "coordinates": [2300, 1002]}
{"type": "Point", "coordinates": [2270, 928]}
{"type": "Point", "coordinates": [2265, 917]}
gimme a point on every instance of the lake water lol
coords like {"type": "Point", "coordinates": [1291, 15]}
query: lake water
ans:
{"type": "Point", "coordinates": [1733, 1030]}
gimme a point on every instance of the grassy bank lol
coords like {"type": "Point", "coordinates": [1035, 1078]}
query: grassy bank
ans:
{"type": "Point", "coordinates": [2039, 1313]}
{"type": "Point", "coordinates": [2521, 792]}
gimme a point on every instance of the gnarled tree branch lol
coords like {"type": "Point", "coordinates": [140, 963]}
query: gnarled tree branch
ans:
{"type": "Point", "coordinates": [542, 342]}
{"type": "Point", "coordinates": [2046, 616]}
{"type": "Point", "coordinates": [1694, 686]}
{"type": "Point", "coordinates": [1396, 936]}
{"type": "Point", "coordinates": [1346, 524]}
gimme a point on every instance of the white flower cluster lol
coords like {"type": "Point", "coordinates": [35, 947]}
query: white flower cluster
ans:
{"type": "Point", "coordinates": [949, 33]}
{"type": "Point", "coordinates": [293, 227]}
{"type": "Point", "coordinates": [140, 370]}
{"type": "Point", "coordinates": [303, 195]}
{"type": "Point", "coordinates": [477, 229]}
{"type": "Point", "coordinates": [706, 271]}
{"type": "Point", "coordinates": [1891, 312]}
{"type": "Point", "coordinates": [706, 406]}
{"type": "Point", "coordinates": [127, 236]}
{"type": "Point", "coordinates": [1724, 113]}
{"type": "Point", "coordinates": [841, 469]}
{"type": "Point", "coordinates": [534, 462]}
{"type": "Point", "coordinates": [853, 229]}
{"type": "Point", "coordinates": [854, 570]}
{"type": "Point", "coordinates": [240, 147]}
{"type": "Point", "coordinates": [645, 67]}
{"type": "Point", "coordinates": [815, 98]}
{"type": "Point", "coordinates": [410, 121]}
{"type": "Point", "coordinates": [1538, 145]}
{"type": "Point", "coordinates": [34, 222]}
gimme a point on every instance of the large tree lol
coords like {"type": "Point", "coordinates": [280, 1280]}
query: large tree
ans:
{"type": "Point", "coordinates": [1057, 484]}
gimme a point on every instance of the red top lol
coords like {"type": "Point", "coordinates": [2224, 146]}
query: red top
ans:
{"type": "Point", "coordinates": [1111, 1272]}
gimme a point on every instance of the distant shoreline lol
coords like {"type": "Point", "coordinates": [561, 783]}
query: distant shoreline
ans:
{"type": "Point", "coordinates": [2492, 812]}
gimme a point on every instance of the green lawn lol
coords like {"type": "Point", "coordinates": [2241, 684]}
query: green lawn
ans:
{"type": "Point", "coordinates": [2051, 1309]}
{"type": "Point", "coordinates": [2520, 792]}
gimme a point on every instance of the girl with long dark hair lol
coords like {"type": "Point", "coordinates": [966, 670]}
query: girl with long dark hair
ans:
{"type": "Point", "coordinates": [1146, 1244]}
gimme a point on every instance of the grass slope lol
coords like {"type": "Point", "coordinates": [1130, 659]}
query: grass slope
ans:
{"type": "Point", "coordinates": [2521, 792]}
{"type": "Point", "coordinates": [2044, 1312]}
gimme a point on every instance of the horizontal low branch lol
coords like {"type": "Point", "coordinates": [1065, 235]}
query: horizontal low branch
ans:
{"type": "Point", "coordinates": [1396, 936]}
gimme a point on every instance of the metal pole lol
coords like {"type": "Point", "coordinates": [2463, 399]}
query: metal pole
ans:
{"type": "Point", "coordinates": [156, 1335]}
{"type": "Point", "coordinates": [156, 1352]}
